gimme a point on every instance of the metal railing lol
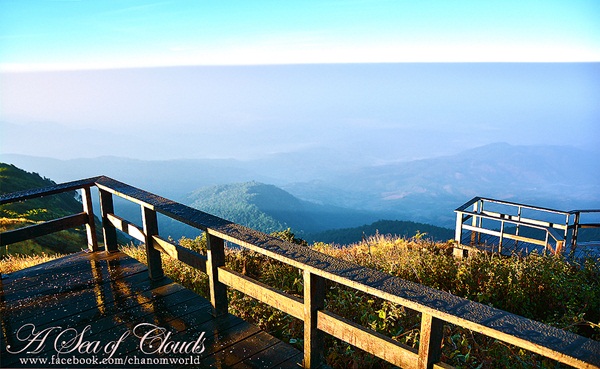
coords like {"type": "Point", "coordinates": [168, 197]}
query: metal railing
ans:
{"type": "Point", "coordinates": [436, 307]}
{"type": "Point", "coordinates": [557, 230]}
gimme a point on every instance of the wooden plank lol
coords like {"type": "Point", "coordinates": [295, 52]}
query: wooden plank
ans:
{"type": "Point", "coordinates": [110, 298]}
{"type": "Point", "coordinates": [224, 339]}
{"type": "Point", "coordinates": [42, 229]}
{"type": "Point", "coordinates": [280, 300]}
{"type": "Point", "coordinates": [52, 273]}
{"type": "Point", "coordinates": [126, 227]}
{"type": "Point", "coordinates": [185, 255]}
{"type": "Point", "coordinates": [240, 350]}
{"type": "Point", "coordinates": [271, 357]}
{"type": "Point", "coordinates": [294, 362]}
{"type": "Point", "coordinates": [368, 340]}
{"type": "Point", "coordinates": [77, 290]}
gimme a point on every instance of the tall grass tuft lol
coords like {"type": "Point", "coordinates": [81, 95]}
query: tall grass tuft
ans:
{"type": "Point", "coordinates": [14, 262]}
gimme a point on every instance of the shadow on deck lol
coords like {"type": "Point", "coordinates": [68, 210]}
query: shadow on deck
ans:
{"type": "Point", "coordinates": [101, 298]}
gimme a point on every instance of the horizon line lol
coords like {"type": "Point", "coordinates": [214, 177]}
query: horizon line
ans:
{"type": "Point", "coordinates": [12, 68]}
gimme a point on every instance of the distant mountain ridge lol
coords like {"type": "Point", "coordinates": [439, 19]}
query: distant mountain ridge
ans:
{"type": "Point", "coordinates": [429, 190]}
{"type": "Point", "coordinates": [425, 191]}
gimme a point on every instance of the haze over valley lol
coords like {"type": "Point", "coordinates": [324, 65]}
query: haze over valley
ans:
{"type": "Point", "coordinates": [353, 143]}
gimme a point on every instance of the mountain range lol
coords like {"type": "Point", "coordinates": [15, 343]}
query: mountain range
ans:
{"type": "Point", "coordinates": [297, 190]}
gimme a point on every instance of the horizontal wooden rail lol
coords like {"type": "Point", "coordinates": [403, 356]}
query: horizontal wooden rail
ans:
{"type": "Point", "coordinates": [126, 227]}
{"type": "Point", "coordinates": [368, 340]}
{"type": "Point", "coordinates": [42, 229]}
{"type": "Point", "coordinates": [47, 191]}
{"type": "Point", "coordinates": [287, 303]}
{"type": "Point", "coordinates": [177, 252]}
{"type": "Point", "coordinates": [436, 307]}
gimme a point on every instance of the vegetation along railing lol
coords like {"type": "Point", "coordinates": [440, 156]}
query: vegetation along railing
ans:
{"type": "Point", "coordinates": [555, 231]}
{"type": "Point", "coordinates": [436, 307]}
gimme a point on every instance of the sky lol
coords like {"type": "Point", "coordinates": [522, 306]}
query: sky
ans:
{"type": "Point", "coordinates": [86, 34]}
{"type": "Point", "coordinates": [248, 78]}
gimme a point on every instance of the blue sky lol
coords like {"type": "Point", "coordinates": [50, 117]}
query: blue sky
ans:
{"type": "Point", "coordinates": [71, 34]}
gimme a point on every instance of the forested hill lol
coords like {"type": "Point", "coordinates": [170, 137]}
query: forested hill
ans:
{"type": "Point", "coordinates": [28, 212]}
{"type": "Point", "coordinates": [256, 205]}
{"type": "Point", "coordinates": [269, 208]}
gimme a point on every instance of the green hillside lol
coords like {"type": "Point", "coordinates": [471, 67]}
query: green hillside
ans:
{"type": "Point", "coordinates": [256, 205]}
{"type": "Point", "coordinates": [29, 212]}
{"type": "Point", "coordinates": [406, 229]}
{"type": "Point", "coordinates": [269, 209]}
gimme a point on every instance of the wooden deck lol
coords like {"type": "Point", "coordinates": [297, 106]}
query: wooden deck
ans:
{"type": "Point", "coordinates": [111, 294]}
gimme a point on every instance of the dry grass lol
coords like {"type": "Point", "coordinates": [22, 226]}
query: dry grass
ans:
{"type": "Point", "coordinates": [12, 263]}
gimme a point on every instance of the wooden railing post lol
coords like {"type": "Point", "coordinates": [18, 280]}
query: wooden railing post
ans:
{"type": "Point", "coordinates": [430, 343]}
{"type": "Point", "coordinates": [150, 221]}
{"type": "Point", "coordinates": [108, 230]}
{"type": "Point", "coordinates": [314, 300]}
{"type": "Point", "coordinates": [90, 226]}
{"type": "Point", "coordinates": [215, 254]}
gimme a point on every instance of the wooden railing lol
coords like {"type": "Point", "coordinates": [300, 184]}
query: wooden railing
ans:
{"type": "Point", "coordinates": [436, 307]}
{"type": "Point", "coordinates": [472, 215]}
